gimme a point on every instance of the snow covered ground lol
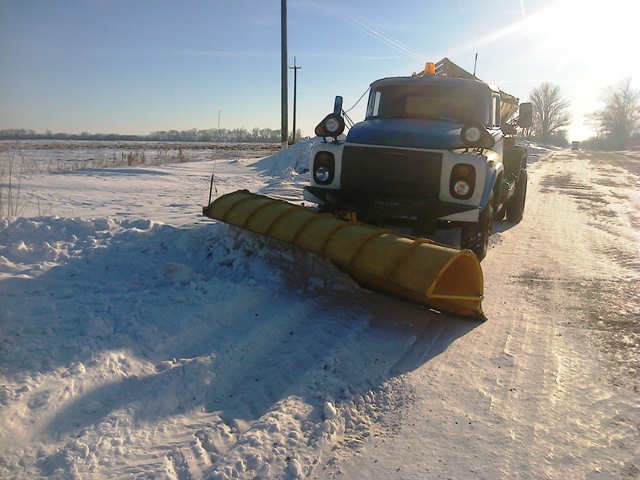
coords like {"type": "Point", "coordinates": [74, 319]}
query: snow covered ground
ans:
{"type": "Point", "coordinates": [65, 155]}
{"type": "Point", "coordinates": [141, 340]}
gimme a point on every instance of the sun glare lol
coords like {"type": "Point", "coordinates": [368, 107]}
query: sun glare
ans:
{"type": "Point", "coordinates": [596, 35]}
{"type": "Point", "coordinates": [581, 45]}
{"type": "Point", "coordinates": [575, 33]}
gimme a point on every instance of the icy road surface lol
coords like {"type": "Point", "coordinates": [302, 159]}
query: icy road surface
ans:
{"type": "Point", "coordinates": [139, 340]}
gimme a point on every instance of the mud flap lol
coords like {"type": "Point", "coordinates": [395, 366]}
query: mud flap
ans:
{"type": "Point", "coordinates": [417, 269]}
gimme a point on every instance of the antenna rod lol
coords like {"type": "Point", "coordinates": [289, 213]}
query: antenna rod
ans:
{"type": "Point", "coordinates": [474, 65]}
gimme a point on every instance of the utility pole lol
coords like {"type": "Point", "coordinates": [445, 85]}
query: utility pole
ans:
{"type": "Point", "coordinates": [295, 89]}
{"type": "Point", "coordinates": [283, 73]}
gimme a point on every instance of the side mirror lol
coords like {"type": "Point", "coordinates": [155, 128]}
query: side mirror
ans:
{"type": "Point", "coordinates": [525, 117]}
{"type": "Point", "coordinates": [337, 105]}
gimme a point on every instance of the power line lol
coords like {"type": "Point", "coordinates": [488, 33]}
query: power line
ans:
{"type": "Point", "coordinates": [384, 38]}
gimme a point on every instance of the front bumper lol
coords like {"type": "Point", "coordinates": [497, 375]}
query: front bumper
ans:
{"type": "Point", "coordinates": [423, 213]}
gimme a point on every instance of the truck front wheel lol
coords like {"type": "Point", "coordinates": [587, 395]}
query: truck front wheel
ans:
{"type": "Point", "coordinates": [475, 236]}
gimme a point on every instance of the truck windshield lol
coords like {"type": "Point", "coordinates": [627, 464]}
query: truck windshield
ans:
{"type": "Point", "coordinates": [429, 102]}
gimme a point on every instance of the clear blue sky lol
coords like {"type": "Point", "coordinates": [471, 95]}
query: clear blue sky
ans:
{"type": "Point", "coordinates": [137, 66]}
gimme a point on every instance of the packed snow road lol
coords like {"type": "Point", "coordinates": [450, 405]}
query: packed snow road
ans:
{"type": "Point", "coordinates": [548, 387]}
{"type": "Point", "coordinates": [133, 348]}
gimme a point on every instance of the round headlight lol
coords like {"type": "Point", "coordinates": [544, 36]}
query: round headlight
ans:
{"type": "Point", "coordinates": [323, 174]}
{"type": "Point", "coordinates": [332, 125]}
{"type": "Point", "coordinates": [461, 188]}
{"type": "Point", "coordinates": [472, 134]}
{"type": "Point", "coordinates": [475, 135]}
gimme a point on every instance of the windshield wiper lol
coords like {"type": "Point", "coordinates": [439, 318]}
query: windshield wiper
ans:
{"type": "Point", "coordinates": [442, 117]}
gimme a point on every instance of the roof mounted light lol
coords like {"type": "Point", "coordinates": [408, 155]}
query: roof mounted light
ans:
{"type": "Point", "coordinates": [475, 135]}
{"type": "Point", "coordinates": [333, 124]}
{"type": "Point", "coordinates": [429, 68]}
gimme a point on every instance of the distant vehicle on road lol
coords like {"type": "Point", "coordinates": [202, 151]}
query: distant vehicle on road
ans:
{"type": "Point", "coordinates": [575, 145]}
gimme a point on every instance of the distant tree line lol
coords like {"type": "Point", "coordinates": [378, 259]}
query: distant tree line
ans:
{"type": "Point", "coordinates": [257, 135]}
{"type": "Point", "coordinates": [261, 135]}
{"type": "Point", "coordinates": [617, 123]}
{"type": "Point", "coordinates": [24, 134]}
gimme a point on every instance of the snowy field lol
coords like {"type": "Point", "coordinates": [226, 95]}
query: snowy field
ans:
{"type": "Point", "coordinates": [139, 340]}
{"type": "Point", "coordinates": [40, 156]}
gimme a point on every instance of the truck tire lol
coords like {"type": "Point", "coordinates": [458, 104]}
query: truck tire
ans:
{"type": "Point", "coordinates": [475, 236]}
{"type": "Point", "coordinates": [515, 207]}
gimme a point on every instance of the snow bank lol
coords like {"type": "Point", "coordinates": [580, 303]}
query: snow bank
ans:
{"type": "Point", "coordinates": [287, 171]}
{"type": "Point", "coordinates": [131, 347]}
{"type": "Point", "coordinates": [293, 159]}
{"type": "Point", "coordinates": [537, 151]}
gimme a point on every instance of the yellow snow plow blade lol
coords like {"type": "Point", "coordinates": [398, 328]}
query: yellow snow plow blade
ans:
{"type": "Point", "coordinates": [441, 277]}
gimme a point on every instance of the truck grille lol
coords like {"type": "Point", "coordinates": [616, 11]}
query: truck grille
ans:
{"type": "Point", "coordinates": [391, 172]}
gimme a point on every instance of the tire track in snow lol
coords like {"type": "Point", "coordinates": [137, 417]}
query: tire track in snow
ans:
{"type": "Point", "coordinates": [557, 412]}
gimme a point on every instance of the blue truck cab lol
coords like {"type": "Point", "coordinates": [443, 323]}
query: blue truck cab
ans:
{"type": "Point", "coordinates": [435, 151]}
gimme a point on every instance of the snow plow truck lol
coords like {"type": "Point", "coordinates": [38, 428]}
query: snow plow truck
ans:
{"type": "Point", "coordinates": [436, 150]}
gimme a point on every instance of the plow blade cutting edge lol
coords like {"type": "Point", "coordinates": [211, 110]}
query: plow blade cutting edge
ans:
{"type": "Point", "coordinates": [417, 269]}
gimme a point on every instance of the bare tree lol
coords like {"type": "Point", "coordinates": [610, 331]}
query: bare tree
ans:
{"type": "Point", "coordinates": [619, 120]}
{"type": "Point", "coordinates": [550, 111]}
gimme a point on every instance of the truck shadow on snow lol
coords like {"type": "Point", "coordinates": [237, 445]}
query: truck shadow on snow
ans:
{"type": "Point", "coordinates": [500, 226]}
{"type": "Point", "coordinates": [161, 322]}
